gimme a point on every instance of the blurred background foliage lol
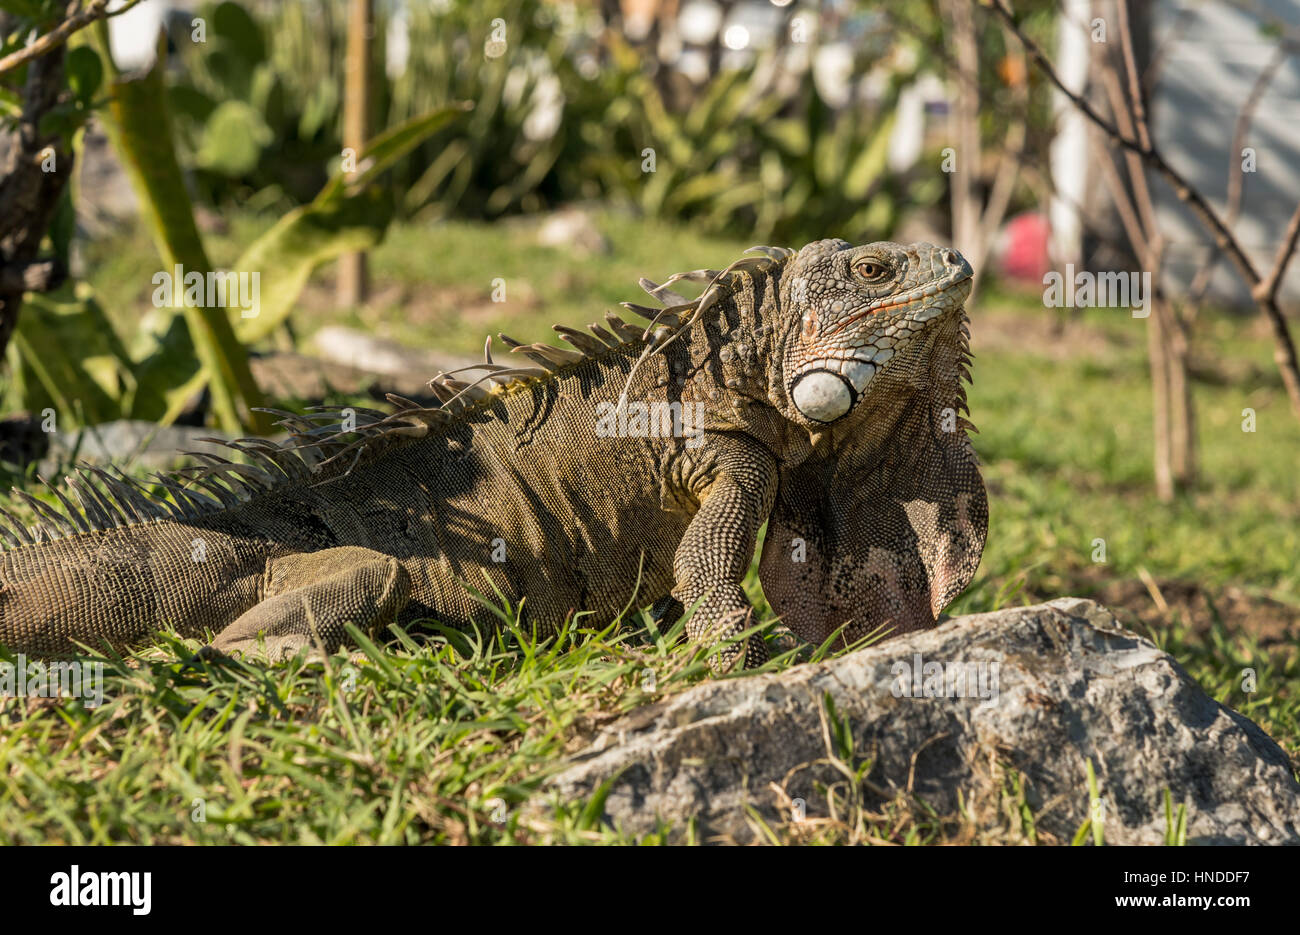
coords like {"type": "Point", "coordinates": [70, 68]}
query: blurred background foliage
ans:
{"type": "Point", "coordinates": [784, 137]}
{"type": "Point", "coordinates": [564, 112]}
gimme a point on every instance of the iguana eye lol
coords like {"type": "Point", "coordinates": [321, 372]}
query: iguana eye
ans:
{"type": "Point", "coordinates": [871, 270]}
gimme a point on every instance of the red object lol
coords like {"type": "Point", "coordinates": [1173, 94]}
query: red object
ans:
{"type": "Point", "coordinates": [1024, 250]}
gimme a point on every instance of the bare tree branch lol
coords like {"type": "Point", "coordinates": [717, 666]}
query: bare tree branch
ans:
{"type": "Point", "coordinates": [1123, 204]}
{"type": "Point", "coordinates": [29, 196]}
{"type": "Point", "coordinates": [1167, 338]}
{"type": "Point", "coordinates": [1284, 352]}
{"type": "Point", "coordinates": [96, 9]}
{"type": "Point", "coordinates": [1266, 291]}
{"type": "Point", "coordinates": [1180, 185]}
{"type": "Point", "coordinates": [1134, 79]}
{"type": "Point", "coordinates": [32, 276]}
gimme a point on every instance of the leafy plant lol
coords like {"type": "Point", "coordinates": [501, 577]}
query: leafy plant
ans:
{"type": "Point", "coordinates": [563, 111]}
{"type": "Point", "coordinates": [94, 386]}
{"type": "Point", "coordinates": [244, 124]}
{"type": "Point", "coordinates": [511, 57]}
{"type": "Point", "coordinates": [348, 214]}
{"type": "Point", "coordinates": [139, 126]}
{"type": "Point", "coordinates": [182, 351]}
{"type": "Point", "coordinates": [743, 157]}
{"type": "Point", "coordinates": [256, 116]}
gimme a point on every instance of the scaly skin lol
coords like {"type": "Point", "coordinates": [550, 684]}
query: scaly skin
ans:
{"type": "Point", "coordinates": [825, 387]}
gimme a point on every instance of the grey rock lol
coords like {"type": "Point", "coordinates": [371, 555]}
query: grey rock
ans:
{"type": "Point", "coordinates": [1064, 683]}
{"type": "Point", "coordinates": [368, 354]}
{"type": "Point", "coordinates": [140, 443]}
{"type": "Point", "coordinates": [286, 375]}
{"type": "Point", "coordinates": [574, 230]}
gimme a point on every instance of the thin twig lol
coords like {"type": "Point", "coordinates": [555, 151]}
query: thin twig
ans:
{"type": "Point", "coordinates": [97, 9]}
{"type": "Point", "coordinates": [1123, 204]}
{"type": "Point", "coordinates": [1236, 173]}
{"type": "Point", "coordinates": [1266, 291]}
{"type": "Point", "coordinates": [1125, 120]}
{"type": "Point", "coordinates": [1134, 79]}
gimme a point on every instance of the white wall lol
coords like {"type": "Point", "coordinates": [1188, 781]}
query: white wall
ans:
{"type": "Point", "coordinates": [1211, 64]}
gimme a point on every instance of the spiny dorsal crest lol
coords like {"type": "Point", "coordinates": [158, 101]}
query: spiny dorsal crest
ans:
{"type": "Point", "coordinates": [329, 441]}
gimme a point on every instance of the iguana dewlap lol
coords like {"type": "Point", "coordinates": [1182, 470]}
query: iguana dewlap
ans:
{"type": "Point", "coordinates": [817, 391]}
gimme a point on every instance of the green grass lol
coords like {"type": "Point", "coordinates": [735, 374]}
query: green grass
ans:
{"type": "Point", "coordinates": [438, 283]}
{"type": "Point", "coordinates": [430, 742]}
{"type": "Point", "coordinates": [444, 740]}
{"type": "Point", "coordinates": [434, 743]}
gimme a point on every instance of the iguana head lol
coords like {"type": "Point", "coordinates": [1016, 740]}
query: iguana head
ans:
{"type": "Point", "coordinates": [884, 521]}
{"type": "Point", "coordinates": [853, 312]}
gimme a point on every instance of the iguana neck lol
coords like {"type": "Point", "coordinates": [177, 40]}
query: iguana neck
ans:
{"type": "Point", "coordinates": [735, 346]}
{"type": "Point", "coordinates": [915, 403]}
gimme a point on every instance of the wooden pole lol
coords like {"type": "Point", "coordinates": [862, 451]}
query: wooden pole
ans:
{"type": "Point", "coordinates": [353, 279]}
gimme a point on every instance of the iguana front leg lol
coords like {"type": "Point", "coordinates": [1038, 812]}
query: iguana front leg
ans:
{"type": "Point", "coordinates": [322, 592]}
{"type": "Point", "coordinates": [714, 554]}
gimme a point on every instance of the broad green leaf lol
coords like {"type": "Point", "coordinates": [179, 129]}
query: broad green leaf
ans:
{"type": "Point", "coordinates": [139, 127]}
{"type": "Point", "coordinates": [190, 102]}
{"type": "Point", "coordinates": [239, 32]}
{"type": "Point", "coordinates": [285, 256]}
{"type": "Point", "coordinates": [345, 216]}
{"type": "Point", "coordinates": [385, 149]}
{"type": "Point", "coordinates": [85, 73]}
{"type": "Point", "coordinates": [65, 355]}
{"type": "Point", "coordinates": [233, 139]}
{"type": "Point", "coordinates": [322, 104]}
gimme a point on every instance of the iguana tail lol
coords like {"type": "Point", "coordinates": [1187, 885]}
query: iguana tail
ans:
{"type": "Point", "coordinates": [115, 586]}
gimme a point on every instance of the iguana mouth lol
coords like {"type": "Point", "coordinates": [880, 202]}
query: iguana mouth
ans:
{"type": "Point", "coordinates": [934, 289]}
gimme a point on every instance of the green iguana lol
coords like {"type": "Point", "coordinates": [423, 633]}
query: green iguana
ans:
{"type": "Point", "coordinates": [817, 391]}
